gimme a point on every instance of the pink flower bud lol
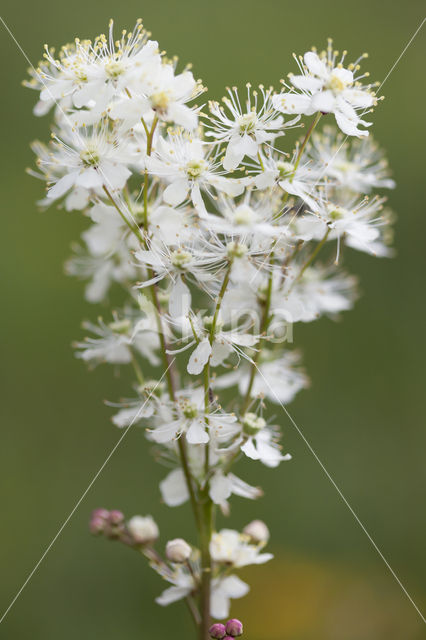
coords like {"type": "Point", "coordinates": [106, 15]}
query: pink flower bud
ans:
{"type": "Point", "coordinates": [115, 517]}
{"type": "Point", "coordinates": [98, 521]}
{"type": "Point", "coordinates": [217, 631]}
{"type": "Point", "coordinates": [234, 628]}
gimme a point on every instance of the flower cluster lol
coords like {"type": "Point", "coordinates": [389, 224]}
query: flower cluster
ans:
{"type": "Point", "coordinates": [217, 235]}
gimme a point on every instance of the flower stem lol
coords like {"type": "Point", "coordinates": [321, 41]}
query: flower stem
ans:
{"type": "Point", "coordinates": [264, 324]}
{"type": "Point", "coordinates": [206, 531]}
{"type": "Point", "coordinates": [133, 229]}
{"type": "Point", "coordinates": [301, 150]}
{"type": "Point", "coordinates": [305, 141]}
{"type": "Point", "coordinates": [168, 362]}
{"type": "Point", "coordinates": [311, 258]}
{"type": "Point", "coordinates": [207, 507]}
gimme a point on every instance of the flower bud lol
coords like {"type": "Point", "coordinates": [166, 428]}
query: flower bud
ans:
{"type": "Point", "coordinates": [143, 530]}
{"type": "Point", "coordinates": [234, 628]}
{"type": "Point", "coordinates": [114, 525]}
{"type": "Point", "coordinates": [98, 521]}
{"type": "Point", "coordinates": [257, 531]}
{"type": "Point", "coordinates": [115, 517]}
{"type": "Point", "coordinates": [178, 550]}
{"type": "Point", "coordinates": [217, 631]}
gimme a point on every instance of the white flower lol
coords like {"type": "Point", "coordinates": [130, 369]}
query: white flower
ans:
{"type": "Point", "coordinates": [320, 290]}
{"type": "Point", "coordinates": [359, 223]}
{"type": "Point", "coordinates": [245, 129]}
{"type": "Point", "coordinates": [101, 271]}
{"type": "Point", "coordinates": [278, 380]}
{"type": "Point", "coordinates": [301, 181]}
{"type": "Point", "coordinates": [182, 161]}
{"type": "Point", "coordinates": [143, 529]}
{"type": "Point", "coordinates": [116, 341]}
{"type": "Point", "coordinates": [223, 486]}
{"type": "Point", "coordinates": [183, 584]}
{"type": "Point", "coordinates": [224, 590]}
{"type": "Point", "coordinates": [176, 263]}
{"type": "Point", "coordinates": [251, 218]}
{"type": "Point", "coordinates": [327, 87]}
{"type": "Point", "coordinates": [174, 490]}
{"type": "Point", "coordinates": [135, 410]}
{"type": "Point", "coordinates": [217, 348]}
{"type": "Point", "coordinates": [112, 345]}
{"type": "Point", "coordinates": [164, 94]}
{"type": "Point", "coordinates": [232, 548]}
{"type": "Point", "coordinates": [193, 421]}
{"type": "Point", "coordinates": [262, 446]}
{"type": "Point", "coordinates": [90, 159]}
{"type": "Point", "coordinates": [359, 166]}
{"type": "Point", "coordinates": [261, 441]}
{"type": "Point", "coordinates": [90, 74]}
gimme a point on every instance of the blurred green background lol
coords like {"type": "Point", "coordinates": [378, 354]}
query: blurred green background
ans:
{"type": "Point", "coordinates": [364, 414]}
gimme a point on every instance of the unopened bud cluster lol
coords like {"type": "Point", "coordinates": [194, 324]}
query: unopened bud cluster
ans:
{"type": "Point", "coordinates": [232, 629]}
{"type": "Point", "coordinates": [139, 530]}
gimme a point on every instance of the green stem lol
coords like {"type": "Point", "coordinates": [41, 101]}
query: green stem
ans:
{"type": "Point", "coordinates": [310, 260]}
{"type": "Point", "coordinates": [207, 507]}
{"type": "Point", "coordinates": [193, 610]}
{"type": "Point", "coordinates": [207, 367]}
{"type": "Point", "coordinates": [133, 229]}
{"type": "Point", "coordinates": [149, 140]}
{"type": "Point", "coordinates": [220, 299]}
{"type": "Point", "coordinates": [137, 369]}
{"type": "Point", "coordinates": [206, 568]}
{"type": "Point", "coordinates": [264, 324]}
{"type": "Point", "coordinates": [301, 150]}
{"type": "Point", "coordinates": [305, 141]}
{"type": "Point", "coordinates": [168, 362]}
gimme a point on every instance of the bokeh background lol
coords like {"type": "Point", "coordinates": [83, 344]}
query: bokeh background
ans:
{"type": "Point", "coordinates": [364, 414]}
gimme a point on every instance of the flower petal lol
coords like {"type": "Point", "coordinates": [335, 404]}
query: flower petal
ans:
{"type": "Point", "coordinates": [199, 357]}
{"type": "Point", "coordinates": [176, 192]}
{"type": "Point", "coordinates": [172, 594]}
{"type": "Point", "coordinates": [324, 101]}
{"type": "Point", "coordinates": [315, 64]}
{"type": "Point", "coordinates": [220, 488]}
{"type": "Point", "coordinates": [180, 299]}
{"type": "Point", "coordinates": [197, 433]}
{"type": "Point", "coordinates": [293, 103]}
{"type": "Point", "coordinates": [173, 488]}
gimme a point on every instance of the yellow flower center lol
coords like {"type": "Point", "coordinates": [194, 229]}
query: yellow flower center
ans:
{"type": "Point", "coordinates": [195, 168]}
{"type": "Point", "coordinates": [336, 83]}
{"type": "Point", "coordinates": [160, 101]}
{"type": "Point", "coordinates": [114, 68]}
{"type": "Point", "coordinates": [285, 168]}
{"type": "Point", "coordinates": [180, 259]}
{"type": "Point", "coordinates": [247, 122]}
{"type": "Point", "coordinates": [90, 157]}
